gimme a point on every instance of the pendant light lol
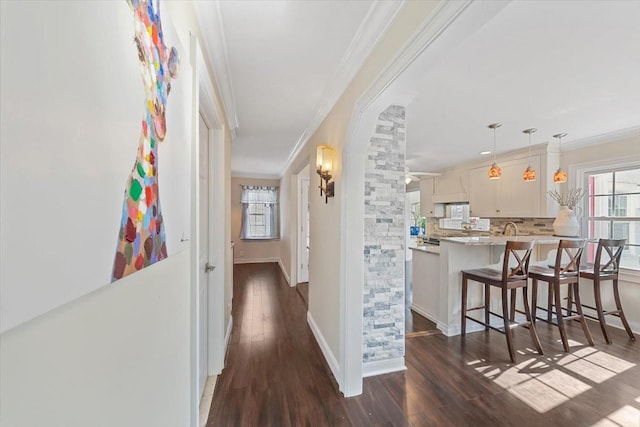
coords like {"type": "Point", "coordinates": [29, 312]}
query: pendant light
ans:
{"type": "Point", "coordinates": [529, 175]}
{"type": "Point", "coordinates": [494, 171]}
{"type": "Point", "coordinates": [560, 175]}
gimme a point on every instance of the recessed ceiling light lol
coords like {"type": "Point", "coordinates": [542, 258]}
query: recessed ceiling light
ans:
{"type": "Point", "coordinates": [484, 153]}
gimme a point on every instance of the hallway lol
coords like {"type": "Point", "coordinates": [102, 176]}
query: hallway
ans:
{"type": "Point", "coordinates": [276, 374]}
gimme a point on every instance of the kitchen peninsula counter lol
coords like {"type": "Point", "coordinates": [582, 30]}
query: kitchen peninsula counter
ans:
{"type": "Point", "coordinates": [437, 275]}
{"type": "Point", "coordinates": [502, 240]}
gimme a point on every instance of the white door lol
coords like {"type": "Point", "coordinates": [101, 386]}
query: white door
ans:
{"type": "Point", "coordinates": [203, 258]}
{"type": "Point", "coordinates": [303, 236]}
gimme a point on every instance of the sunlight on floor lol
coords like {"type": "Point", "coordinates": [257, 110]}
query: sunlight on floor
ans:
{"type": "Point", "coordinates": [625, 416]}
{"type": "Point", "coordinates": [547, 383]}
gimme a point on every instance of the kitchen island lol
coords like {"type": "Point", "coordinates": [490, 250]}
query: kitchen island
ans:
{"type": "Point", "coordinates": [437, 275]}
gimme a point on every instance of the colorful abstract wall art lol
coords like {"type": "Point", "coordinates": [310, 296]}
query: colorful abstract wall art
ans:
{"type": "Point", "coordinates": [141, 240]}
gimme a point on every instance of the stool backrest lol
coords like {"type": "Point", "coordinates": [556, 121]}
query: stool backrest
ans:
{"type": "Point", "coordinates": [520, 252]}
{"type": "Point", "coordinates": [608, 256]}
{"type": "Point", "coordinates": [568, 257]}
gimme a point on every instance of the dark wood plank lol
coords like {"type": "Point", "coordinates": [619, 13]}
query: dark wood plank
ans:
{"type": "Point", "coordinates": [276, 374]}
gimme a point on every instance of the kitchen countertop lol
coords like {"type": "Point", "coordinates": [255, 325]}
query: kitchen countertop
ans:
{"type": "Point", "coordinates": [430, 249]}
{"type": "Point", "coordinates": [502, 240]}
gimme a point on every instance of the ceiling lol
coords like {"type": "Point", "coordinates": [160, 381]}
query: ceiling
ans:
{"type": "Point", "coordinates": [281, 66]}
{"type": "Point", "coordinates": [563, 66]}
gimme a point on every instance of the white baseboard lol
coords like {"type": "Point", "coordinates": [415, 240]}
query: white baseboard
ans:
{"type": "Point", "coordinates": [380, 367]}
{"type": "Point", "coordinates": [227, 335]}
{"type": "Point", "coordinates": [326, 351]}
{"type": "Point", "coordinates": [255, 260]}
{"type": "Point", "coordinates": [284, 272]}
{"type": "Point", "coordinates": [421, 311]}
{"type": "Point", "coordinates": [206, 399]}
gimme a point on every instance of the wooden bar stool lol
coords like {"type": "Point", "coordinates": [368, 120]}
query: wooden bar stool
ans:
{"type": "Point", "coordinates": [606, 268]}
{"type": "Point", "coordinates": [564, 272]}
{"type": "Point", "coordinates": [508, 281]}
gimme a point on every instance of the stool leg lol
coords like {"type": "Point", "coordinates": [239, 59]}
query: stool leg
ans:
{"type": "Point", "coordinates": [558, 303]}
{"type": "Point", "coordinates": [598, 299]}
{"type": "Point", "coordinates": [583, 321]}
{"type": "Point", "coordinates": [534, 300]}
{"type": "Point", "coordinates": [532, 326]}
{"type": "Point", "coordinates": [616, 296]}
{"type": "Point", "coordinates": [487, 301]}
{"type": "Point", "coordinates": [549, 302]}
{"type": "Point", "coordinates": [512, 314]}
{"type": "Point", "coordinates": [463, 319]}
{"type": "Point", "coordinates": [569, 301]}
{"type": "Point", "coordinates": [507, 329]}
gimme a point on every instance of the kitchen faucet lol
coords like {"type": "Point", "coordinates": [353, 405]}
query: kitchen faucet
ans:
{"type": "Point", "coordinates": [515, 228]}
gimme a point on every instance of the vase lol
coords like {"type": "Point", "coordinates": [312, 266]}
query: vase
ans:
{"type": "Point", "coordinates": [566, 223]}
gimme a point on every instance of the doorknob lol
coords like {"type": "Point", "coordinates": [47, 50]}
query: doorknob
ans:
{"type": "Point", "coordinates": [208, 267]}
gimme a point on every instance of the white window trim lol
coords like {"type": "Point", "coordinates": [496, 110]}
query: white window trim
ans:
{"type": "Point", "coordinates": [577, 174]}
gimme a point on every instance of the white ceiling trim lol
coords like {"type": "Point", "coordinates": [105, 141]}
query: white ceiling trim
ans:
{"type": "Point", "coordinates": [372, 27]}
{"type": "Point", "coordinates": [616, 135]}
{"type": "Point", "coordinates": [215, 45]}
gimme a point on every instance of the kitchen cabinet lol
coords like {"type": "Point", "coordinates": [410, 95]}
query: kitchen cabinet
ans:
{"type": "Point", "coordinates": [508, 196]}
{"type": "Point", "coordinates": [427, 207]}
{"type": "Point", "coordinates": [426, 282]}
{"type": "Point", "coordinates": [483, 193]}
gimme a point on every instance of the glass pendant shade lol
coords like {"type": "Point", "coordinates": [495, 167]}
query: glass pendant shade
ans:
{"type": "Point", "coordinates": [494, 171]}
{"type": "Point", "coordinates": [529, 175]}
{"type": "Point", "coordinates": [560, 176]}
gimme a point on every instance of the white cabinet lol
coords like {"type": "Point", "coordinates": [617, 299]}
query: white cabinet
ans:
{"type": "Point", "coordinates": [427, 207]}
{"type": "Point", "coordinates": [425, 284]}
{"type": "Point", "coordinates": [517, 198]}
{"type": "Point", "coordinates": [483, 193]}
{"type": "Point", "coordinates": [508, 196]}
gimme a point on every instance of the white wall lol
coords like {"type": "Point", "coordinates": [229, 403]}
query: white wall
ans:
{"type": "Point", "coordinates": [248, 250]}
{"type": "Point", "coordinates": [116, 357]}
{"type": "Point", "coordinates": [72, 103]}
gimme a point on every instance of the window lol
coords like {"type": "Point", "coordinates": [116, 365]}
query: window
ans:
{"type": "Point", "coordinates": [612, 209]}
{"type": "Point", "coordinates": [259, 213]}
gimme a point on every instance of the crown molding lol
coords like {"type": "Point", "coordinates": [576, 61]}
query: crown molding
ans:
{"type": "Point", "coordinates": [603, 138]}
{"type": "Point", "coordinates": [215, 48]}
{"type": "Point", "coordinates": [373, 26]}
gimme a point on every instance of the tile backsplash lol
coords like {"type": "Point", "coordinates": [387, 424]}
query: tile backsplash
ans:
{"type": "Point", "coordinates": [526, 226]}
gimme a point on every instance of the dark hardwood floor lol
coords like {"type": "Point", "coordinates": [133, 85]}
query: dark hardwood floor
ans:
{"type": "Point", "coordinates": [276, 375]}
{"type": "Point", "coordinates": [416, 325]}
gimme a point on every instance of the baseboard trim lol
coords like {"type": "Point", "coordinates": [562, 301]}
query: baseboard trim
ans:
{"type": "Point", "coordinates": [421, 311]}
{"type": "Point", "coordinates": [206, 399]}
{"type": "Point", "coordinates": [380, 367]}
{"type": "Point", "coordinates": [324, 347]}
{"type": "Point", "coordinates": [284, 272]}
{"type": "Point", "coordinates": [255, 260]}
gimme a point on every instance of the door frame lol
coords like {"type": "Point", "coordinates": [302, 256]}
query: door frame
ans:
{"type": "Point", "coordinates": [205, 103]}
{"type": "Point", "coordinates": [214, 119]}
{"type": "Point", "coordinates": [303, 180]}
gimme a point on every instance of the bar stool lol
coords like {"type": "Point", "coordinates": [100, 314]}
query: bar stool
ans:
{"type": "Point", "coordinates": [561, 274]}
{"type": "Point", "coordinates": [508, 281]}
{"type": "Point", "coordinates": [604, 270]}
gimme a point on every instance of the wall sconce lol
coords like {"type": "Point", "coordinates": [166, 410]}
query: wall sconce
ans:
{"type": "Point", "coordinates": [325, 156]}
